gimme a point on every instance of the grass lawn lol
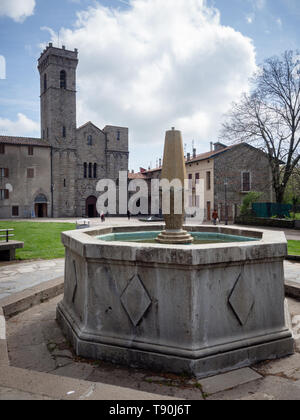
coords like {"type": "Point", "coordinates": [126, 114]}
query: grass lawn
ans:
{"type": "Point", "coordinates": [294, 247]}
{"type": "Point", "coordinates": [295, 216]}
{"type": "Point", "coordinates": [41, 240]}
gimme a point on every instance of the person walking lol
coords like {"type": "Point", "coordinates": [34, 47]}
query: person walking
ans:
{"type": "Point", "coordinates": [215, 216]}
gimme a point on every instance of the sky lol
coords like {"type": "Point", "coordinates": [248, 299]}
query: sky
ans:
{"type": "Point", "coordinates": [148, 65]}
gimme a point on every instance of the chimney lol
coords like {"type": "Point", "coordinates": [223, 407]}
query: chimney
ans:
{"type": "Point", "coordinates": [188, 156]}
{"type": "Point", "coordinates": [132, 171]}
{"type": "Point", "coordinates": [219, 146]}
{"type": "Point", "coordinates": [194, 153]}
{"type": "Point", "coordinates": [160, 163]}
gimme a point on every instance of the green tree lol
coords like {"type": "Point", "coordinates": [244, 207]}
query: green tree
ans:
{"type": "Point", "coordinates": [249, 199]}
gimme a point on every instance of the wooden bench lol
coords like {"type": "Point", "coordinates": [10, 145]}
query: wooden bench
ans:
{"type": "Point", "coordinates": [8, 247]}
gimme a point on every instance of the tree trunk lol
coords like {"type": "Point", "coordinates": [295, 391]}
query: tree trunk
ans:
{"type": "Point", "coordinates": [279, 195]}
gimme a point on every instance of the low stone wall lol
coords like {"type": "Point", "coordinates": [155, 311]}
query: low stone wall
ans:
{"type": "Point", "coordinates": [257, 221]}
{"type": "Point", "coordinates": [8, 250]}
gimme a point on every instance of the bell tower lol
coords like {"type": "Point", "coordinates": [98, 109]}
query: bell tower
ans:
{"type": "Point", "coordinates": [57, 67]}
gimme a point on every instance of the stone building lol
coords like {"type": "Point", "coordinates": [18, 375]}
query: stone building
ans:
{"type": "Point", "coordinates": [25, 186]}
{"type": "Point", "coordinates": [229, 173]}
{"type": "Point", "coordinates": [70, 160]}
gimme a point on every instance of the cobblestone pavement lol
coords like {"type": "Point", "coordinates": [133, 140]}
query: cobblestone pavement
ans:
{"type": "Point", "coordinates": [292, 271]}
{"type": "Point", "coordinates": [35, 342]}
{"type": "Point", "coordinates": [15, 277]}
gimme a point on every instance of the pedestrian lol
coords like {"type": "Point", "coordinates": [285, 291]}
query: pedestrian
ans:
{"type": "Point", "coordinates": [215, 216]}
{"type": "Point", "coordinates": [102, 217]}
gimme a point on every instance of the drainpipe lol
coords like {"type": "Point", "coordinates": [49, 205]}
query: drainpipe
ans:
{"type": "Point", "coordinates": [226, 206]}
{"type": "Point", "coordinates": [52, 204]}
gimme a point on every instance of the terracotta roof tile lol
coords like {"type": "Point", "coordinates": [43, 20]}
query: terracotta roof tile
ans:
{"type": "Point", "coordinates": [202, 156]}
{"type": "Point", "coordinates": [136, 176]}
{"type": "Point", "coordinates": [23, 141]}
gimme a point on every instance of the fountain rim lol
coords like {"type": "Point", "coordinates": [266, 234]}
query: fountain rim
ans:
{"type": "Point", "coordinates": [85, 243]}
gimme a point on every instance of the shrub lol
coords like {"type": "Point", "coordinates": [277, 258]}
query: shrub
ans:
{"type": "Point", "coordinates": [250, 198]}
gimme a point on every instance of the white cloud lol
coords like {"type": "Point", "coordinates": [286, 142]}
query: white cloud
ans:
{"type": "Point", "coordinates": [259, 4]}
{"type": "Point", "coordinates": [23, 126]}
{"type": "Point", "coordinates": [155, 65]}
{"type": "Point", "coordinates": [279, 22]}
{"type": "Point", "coordinates": [250, 18]}
{"type": "Point", "coordinates": [2, 67]}
{"type": "Point", "coordinates": [18, 10]}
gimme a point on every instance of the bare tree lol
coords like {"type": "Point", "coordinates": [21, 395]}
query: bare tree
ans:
{"type": "Point", "coordinates": [269, 117]}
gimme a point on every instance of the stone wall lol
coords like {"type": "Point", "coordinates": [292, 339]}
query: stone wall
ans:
{"type": "Point", "coordinates": [24, 190]}
{"type": "Point", "coordinates": [117, 154]}
{"type": "Point", "coordinates": [229, 166]}
{"type": "Point", "coordinates": [58, 123]}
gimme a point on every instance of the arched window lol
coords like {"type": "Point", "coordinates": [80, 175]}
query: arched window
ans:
{"type": "Point", "coordinates": [85, 170]}
{"type": "Point", "coordinates": [95, 170]}
{"type": "Point", "coordinates": [64, 132]}
{"type": "Point", "coordinates": [45, 82]}
{"type": "Point", "coordinates": [90, 140]}
{"type": "Point", "coordinates": [90, 170]}
{"type": "Point", "coordinates": [40, 199]}
{"type": "Point", "coordinates": [63, 79]}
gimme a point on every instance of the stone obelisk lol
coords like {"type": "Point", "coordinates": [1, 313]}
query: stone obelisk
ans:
{"type": "Point", "coordinates": [174, 168]}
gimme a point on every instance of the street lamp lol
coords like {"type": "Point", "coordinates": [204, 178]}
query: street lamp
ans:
{"type": "Point", "coordinates": [226, 207]}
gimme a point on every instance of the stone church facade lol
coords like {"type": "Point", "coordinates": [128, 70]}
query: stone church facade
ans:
{"type": "Point", "coordinates": [61, 170]}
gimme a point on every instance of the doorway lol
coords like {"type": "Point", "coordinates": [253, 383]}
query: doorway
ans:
{"type": "Point", "coordinates": [41, 210]}
{"type": "Point", "coordinates": [41, 206]}
{"type": "Point", "coordinates": [208, 206]}
{"type": "Point", "coordinates": [91, 208]}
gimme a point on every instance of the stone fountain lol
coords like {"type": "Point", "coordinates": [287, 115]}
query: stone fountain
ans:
{"type": "Point", "coordinates": [175, 306]}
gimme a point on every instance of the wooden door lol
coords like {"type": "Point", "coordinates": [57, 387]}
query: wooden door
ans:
{"type": "Point", "coordinates": [208, 207]}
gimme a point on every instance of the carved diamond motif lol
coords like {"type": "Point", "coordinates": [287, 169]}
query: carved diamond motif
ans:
{"type": "Point", "coordinates": [135, 300]}
{"type": "Point", "coordinates": [75, 282]}
{"type": "Point", "coordinates": [241, 300]}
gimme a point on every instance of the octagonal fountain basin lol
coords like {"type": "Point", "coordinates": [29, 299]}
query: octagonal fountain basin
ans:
{"type": "Point", "coordinates": [198, 309]}
{"type": "Point", "coordinates": [200, 238]}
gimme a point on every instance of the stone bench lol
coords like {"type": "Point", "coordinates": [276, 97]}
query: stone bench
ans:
{"type": "Point", "coordinates": [8, 250]}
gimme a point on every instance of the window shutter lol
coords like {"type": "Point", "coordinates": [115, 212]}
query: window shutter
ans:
{"type": "Point", "coordinates": [6, 173]}
{"type": "Point", "coordinates": [6, 194]}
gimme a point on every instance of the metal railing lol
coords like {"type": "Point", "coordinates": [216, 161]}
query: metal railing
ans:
{"type": "Point", "coordinates": [6, 235]}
